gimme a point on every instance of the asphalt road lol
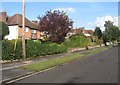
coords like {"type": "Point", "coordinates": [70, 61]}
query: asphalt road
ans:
{"type": "Point", "coordinates": [98, 68]}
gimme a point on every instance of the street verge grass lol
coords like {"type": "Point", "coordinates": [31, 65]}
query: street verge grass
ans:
{"type": "Point", "coordinates": [61, 60]}
{"type": "Point", "coordinates": [52, 62]}
{"type": "Point", "coordinates": [98, 50]}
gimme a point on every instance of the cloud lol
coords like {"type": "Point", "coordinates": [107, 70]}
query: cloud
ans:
{"type": "Point", "coordinates": [69, 9]}
{"type": "Point", "coordinates": [100, 21]}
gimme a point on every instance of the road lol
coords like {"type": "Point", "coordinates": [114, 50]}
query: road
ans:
{"type": "Point", "coordinates": [98, 68]}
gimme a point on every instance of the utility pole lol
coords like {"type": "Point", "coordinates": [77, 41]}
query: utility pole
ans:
{"type": "Point", "coordinates": [23, 30]}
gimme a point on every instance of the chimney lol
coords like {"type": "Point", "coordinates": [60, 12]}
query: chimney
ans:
{"type": "Point", "coordinates": [3, 17]}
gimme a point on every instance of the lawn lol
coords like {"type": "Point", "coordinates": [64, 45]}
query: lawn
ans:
{"type": "Point", "coordinates": [58, 61]}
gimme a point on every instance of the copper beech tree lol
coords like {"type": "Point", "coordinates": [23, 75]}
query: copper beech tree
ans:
{"type": "Point", "coordinates": [55, 25]}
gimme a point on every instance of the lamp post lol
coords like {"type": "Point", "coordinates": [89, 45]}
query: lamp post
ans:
{"type": "Point", "coordinates": [23, 31]}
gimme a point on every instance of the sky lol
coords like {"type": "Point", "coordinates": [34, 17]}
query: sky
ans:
{"type": "Point", "coordinates": [84, 14]}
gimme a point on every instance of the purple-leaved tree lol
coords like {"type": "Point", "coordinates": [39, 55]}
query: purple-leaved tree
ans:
{"type": "Point", "coordinates": [55, 24]}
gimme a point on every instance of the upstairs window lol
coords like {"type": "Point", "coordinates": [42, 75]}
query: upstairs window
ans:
{"type": "Point", "coordinates": [26, 29]}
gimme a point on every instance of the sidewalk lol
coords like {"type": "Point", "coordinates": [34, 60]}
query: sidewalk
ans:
{"type": "Point", "coordinates": [12, 70]}
{"type": "Point", "coordinates": [6, 66]}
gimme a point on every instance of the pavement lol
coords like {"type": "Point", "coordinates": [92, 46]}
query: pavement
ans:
{"type": "Point", "coordinates": [98, 68]}
{"type": "Point", "coordinates": [8, 69]}
{"type": "Point", "coordinates": [11, 71]}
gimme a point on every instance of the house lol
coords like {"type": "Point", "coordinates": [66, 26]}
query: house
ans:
{"type": "Point", "coordinates": [87, 33]}
{"type": "Point", "coordinates": [15, 27]}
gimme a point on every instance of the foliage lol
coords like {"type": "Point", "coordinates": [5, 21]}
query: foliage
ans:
{"type": "Point", "coordinates": [115, 33]}
{"type": "Point", "coordinates": [33, 49]}
{"type": "Point", "coordinates": [98, 32]}
{"type": "Point", "coordinates": [111, 32]}
{"type": "Point", "coordinates": [3, 29]}
{"type": "Point", "coordinates": [118, 39]}
{"type": "Point", "coordinates": [55, 25]}
{"type": "Point", "coordinates": [77, 40]}
{"type": "Point", "coordinates": [98, 41]}
{"type": "Point", "coordinates": [7, 50]}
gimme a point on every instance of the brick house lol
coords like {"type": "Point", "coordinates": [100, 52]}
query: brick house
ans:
{"type": "Point", "coordinates": [87, 33]}
{"type": "Point", "coordinates": [15, 27]}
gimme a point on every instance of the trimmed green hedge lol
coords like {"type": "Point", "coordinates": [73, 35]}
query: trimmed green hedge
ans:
{"type": "Point", "coordinates": [33, 49]}
{"type": "Point", "coordinates": [8, 52]}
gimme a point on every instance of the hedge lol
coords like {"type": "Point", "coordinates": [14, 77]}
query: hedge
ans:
{"type": "Point", "coordinates": [78, 40]}
{"type": "Point", "coordinates": [33, 49]}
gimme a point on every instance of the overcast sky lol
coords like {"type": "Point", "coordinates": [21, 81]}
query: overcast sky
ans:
{"type": "Point", "coordinates": [84, 14]}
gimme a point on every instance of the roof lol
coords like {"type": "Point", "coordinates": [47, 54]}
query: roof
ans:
{"type": "Point", "coordinates": [17, 20]}
{"type": "Point", "coordinates": [37, 24]}
{"type": "Point", "coordinates": [82, 30]}
{"type": "Point", "coordinates": [90, 32]}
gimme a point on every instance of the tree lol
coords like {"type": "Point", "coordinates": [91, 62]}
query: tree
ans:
{"type": "Point", "coordinates": [55, 25]}
{"type": "Point", "coordinates": [4, 29]}
{"type": "Point", "coordinates": [108, 30]}
{"type": "Point", "coordinates": [115, 33]}
{"type": "Point", "coordinates": [98, 33]}
{"type": "Point", "coordinates": [111, 32]}
{"type": "Point", "coordinates": [105, 38]}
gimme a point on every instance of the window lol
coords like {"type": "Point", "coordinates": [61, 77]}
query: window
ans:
{"type": "Point", "coordinates": [33, 31]}
{"type": "Point", "coordinates": [26, 29]}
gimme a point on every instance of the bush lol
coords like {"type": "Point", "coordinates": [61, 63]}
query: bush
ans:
{"type": "Point", "coordinates": [18, 50]}
{"type": "Point", "coordinates": [8, 52]}
{"type": "Point", "coordinates": [33, 49]}
{"type": "Point", "coordinates": [77, 40]}
{"type": "Point", "coordinates": [52, 48]}
{"type": "Point", "coordinates": [98, 41]}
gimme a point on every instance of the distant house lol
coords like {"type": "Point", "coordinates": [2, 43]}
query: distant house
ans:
{"type": "Point", "coordinates": [87, 33]}
{"type": "Point", "coordinates": [15, 27]}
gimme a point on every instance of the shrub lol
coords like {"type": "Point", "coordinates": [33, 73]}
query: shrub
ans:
{"type": "Point", "coordinates": [52, 48]}
{"type": "Point", "coordinates": [7, 50]}
{"type": "Point", "coordinates": [77, 40]}
{"type": "Point", "coordinates": [33, 49]}
{"type": "Point", "coordinates": [18, 50]}
{"type": "Point", "coordinates": [98, 41]}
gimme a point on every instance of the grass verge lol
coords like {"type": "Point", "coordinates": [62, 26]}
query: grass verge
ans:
{"type": "Point", "coordinates": [98, 50]}
{"type": "Point", "coordinates": [58, 61]}
{"type": "Point", "coordinates": [52, 62]}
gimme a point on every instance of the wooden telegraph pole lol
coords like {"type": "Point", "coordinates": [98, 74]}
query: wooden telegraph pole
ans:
{"type": "Point", "coordinates": [23, 34]}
